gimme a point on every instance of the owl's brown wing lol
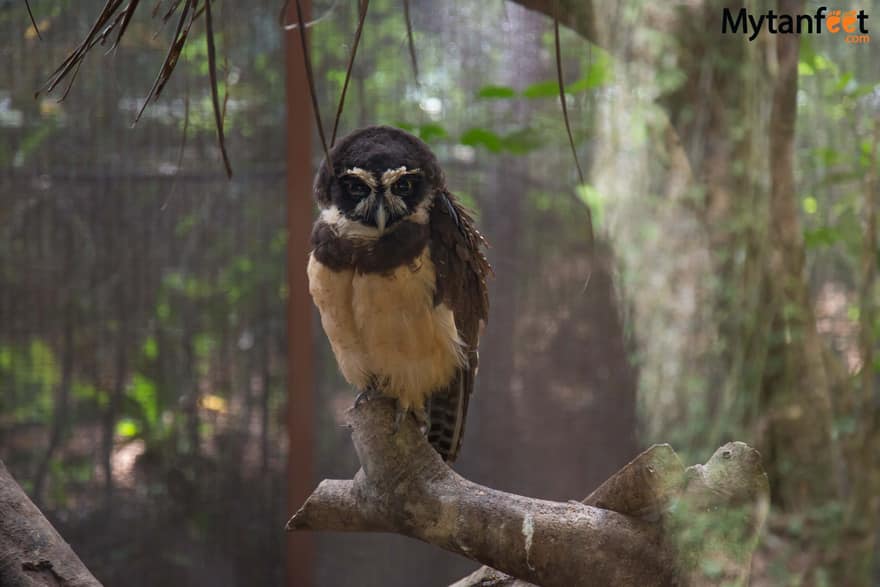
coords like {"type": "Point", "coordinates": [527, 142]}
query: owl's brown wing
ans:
{"type": "Point", "coordinates": [461, 271]}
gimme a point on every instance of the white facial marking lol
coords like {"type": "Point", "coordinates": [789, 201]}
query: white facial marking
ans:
{"type": "Point", "coordinates": [389, 204]}
{"type": "Point", "coordinates": [346, 227]}
{"type": "Point", "coordinates": [331, 215]}
{"type": "Point", "coordinates": [389, 176]}
{"type": "Point", "coordinates": [363, 175]}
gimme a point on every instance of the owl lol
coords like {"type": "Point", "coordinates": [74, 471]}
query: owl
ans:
{"type": "Point", "coordinates": [398, 274]}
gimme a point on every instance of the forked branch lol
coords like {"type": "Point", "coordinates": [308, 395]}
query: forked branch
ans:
{"type": "Point", "coordinates": [626, 533]}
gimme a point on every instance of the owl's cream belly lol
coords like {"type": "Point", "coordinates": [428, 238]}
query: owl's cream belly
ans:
{"type": "Point", "coordinates": [386, 326]}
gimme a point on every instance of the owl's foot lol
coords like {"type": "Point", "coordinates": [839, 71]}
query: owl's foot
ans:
{"type": "Point", "coordinates": [420, 416]}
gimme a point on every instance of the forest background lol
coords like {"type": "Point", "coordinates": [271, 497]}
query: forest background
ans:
{"type": "Point", "coordinates": [731, 292]}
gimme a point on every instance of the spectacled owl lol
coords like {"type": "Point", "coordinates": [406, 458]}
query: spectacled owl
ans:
{"type": "Point", "coordinates": [399, 277]}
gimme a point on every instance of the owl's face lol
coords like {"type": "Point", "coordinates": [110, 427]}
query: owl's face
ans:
{"type": "Point", "coordinates": [382, 175]}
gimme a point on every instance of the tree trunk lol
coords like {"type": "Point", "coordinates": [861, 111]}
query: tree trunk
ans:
{"type": "Point", "coordinates": [796, 389]}
{"type": "Point", "coordinates": [763, 306]}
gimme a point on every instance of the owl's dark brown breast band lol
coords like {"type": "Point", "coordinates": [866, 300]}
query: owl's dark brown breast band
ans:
{"type": "Point", "coordinates": [398, 247]}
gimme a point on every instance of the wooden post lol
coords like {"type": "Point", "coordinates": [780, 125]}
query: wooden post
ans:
{"type": "Point", "coordinates": [301, 403]}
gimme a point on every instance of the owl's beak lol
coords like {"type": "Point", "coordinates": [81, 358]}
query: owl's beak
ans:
{"type": "Point", "coordinates": [381, 216]}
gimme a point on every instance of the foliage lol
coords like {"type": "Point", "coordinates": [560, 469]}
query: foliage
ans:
{"type": "Point", "coordinates": [171, 281]}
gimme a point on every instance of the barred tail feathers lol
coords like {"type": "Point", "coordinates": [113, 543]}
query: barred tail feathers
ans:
{"type": "Point", "coordinates": [447, 410]}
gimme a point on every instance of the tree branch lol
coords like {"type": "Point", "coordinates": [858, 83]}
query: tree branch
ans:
{"type": "Point", "coordinates": [32, 553]}
{"type": "Point", "coordinates": [578, 15]}
{"type": "Point", "coordinates": [404, 487]}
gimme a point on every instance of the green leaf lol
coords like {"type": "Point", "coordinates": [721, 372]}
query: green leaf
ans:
{"type": "Point", "coordinates": [810, 205]}
{"type": "Point", "coordinates": [521, 142]}
{"type": "Point", "coordinates": [150, 348]}
{"type": "Point", "coordinates": [196, 288]}
{"type": "Point", "coordinates": [44, 364]}
{"type": "Point", "coordinates": [481, 137]}
{"type": "Point", "coordinates": [827, 156]}
{"type": "Point", "coordinates": [432, 131]}
{"type": "Point", "coordinates": [600, 71]}
{"type": "Point", "coordinates": [595, 201]}
{"type": "Point", "coordinates": [85, 391]}
{"type": "Point", "coordinates": [174, 280]}
{"type": "Point", "coordinates": [405, 126]}
{"type": "Point", "coordinates": [821, 62]}
{"type": "Point", "coordinates": [542, 90]}
{"type": "Point", "coordinates": [578, 86]}
{"type": "Point", "coordinates": [824, 236]}
{"type": "Point", "coordinates": [863, 90]}
{"type": "Point", "coordinates": [807, 51]}
{"type": "Point", "coordinates": [203, 344]}
{"type": "Point", "coordinates": [127, 428]}
{"type": "Point", "coordinates": [844, 82]}
{"type": "Point", "coordinates": [143, 392]}
{"type": "Point", "coordinates": [337, 76]}
{"type": "Point", "coordinates": [496, 92]}
{"type": "Point", "coordinates": [243, 264]}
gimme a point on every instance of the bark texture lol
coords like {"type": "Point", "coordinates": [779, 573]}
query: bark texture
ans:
{"type": "Point", "coordinates": [742, 158]}
{"type": "Point", "coordinates": [625, 533]}
{"type": "Point", "coordinates": [32, 553]}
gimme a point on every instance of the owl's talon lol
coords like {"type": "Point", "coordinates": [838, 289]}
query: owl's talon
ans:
{"type": "Point", "coordinates": [364, 396]}
{"type": "Point", "coordinates": [399, 415]}
{"type": "Point", "coordinates": [421, 417]}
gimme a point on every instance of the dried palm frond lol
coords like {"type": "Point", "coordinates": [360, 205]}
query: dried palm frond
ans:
{"type": "Point", "coordinates": [215, 98]}
{"type": "Point", "coordinates": [115, 17]}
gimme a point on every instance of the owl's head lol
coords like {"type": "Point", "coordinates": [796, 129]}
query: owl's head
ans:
{"type": "Point", "coordinates": [381, 175]}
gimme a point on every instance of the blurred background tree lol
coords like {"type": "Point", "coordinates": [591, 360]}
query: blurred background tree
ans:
{"type": "Point", "coordinates": [731, 294]}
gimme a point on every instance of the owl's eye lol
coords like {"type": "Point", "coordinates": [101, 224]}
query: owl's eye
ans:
{"type": "Point", "coordinates": [356, 188]}
{"type": "Point", "coordinates": [403, 187]}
